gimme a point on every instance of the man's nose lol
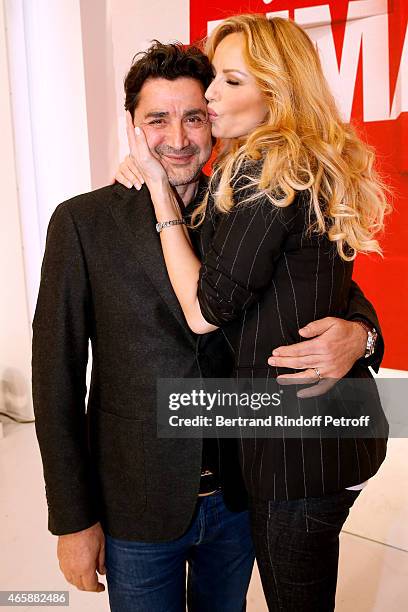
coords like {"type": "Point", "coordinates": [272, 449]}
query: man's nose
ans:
{"type": "Point", "coordinates": [178, 137]}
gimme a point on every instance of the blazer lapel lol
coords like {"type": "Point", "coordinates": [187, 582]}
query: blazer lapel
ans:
{"type": "Point", "coordinates": [134, 215]}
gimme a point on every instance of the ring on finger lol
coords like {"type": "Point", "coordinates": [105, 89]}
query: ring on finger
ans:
{"type": "Point", "coordinates": [317, 372]}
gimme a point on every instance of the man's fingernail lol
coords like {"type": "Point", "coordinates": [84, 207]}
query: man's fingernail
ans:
{"type": "Point", "coordinates": [137, 131]}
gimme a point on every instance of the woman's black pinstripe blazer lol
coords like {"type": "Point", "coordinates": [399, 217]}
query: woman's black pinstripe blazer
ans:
{"type": "Point", "coordinates": [264, 276]}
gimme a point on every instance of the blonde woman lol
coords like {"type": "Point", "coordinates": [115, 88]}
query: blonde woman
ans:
{"type": "Point", "coordinates": [293, 198]}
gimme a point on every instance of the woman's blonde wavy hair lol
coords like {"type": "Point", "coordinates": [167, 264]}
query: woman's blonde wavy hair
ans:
{"type": "Point", "coordinates": [303, 143]}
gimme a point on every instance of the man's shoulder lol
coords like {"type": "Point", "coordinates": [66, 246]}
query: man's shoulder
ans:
{"type": "Point", "coordinates": [87, 207]}
{"type": "Point", "coordinates": [96, 200]}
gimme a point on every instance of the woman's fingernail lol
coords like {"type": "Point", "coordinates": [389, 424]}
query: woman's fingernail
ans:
{"type": "Point", "coordinates": [137, 131]}
{"type": "Point", "coordinates": [275, 353]}
{"type": "Point", "coordinates": [271, 361]}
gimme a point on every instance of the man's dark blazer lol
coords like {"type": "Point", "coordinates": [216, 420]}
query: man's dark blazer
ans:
{"type": "Point", "coordinates": [104, 280]}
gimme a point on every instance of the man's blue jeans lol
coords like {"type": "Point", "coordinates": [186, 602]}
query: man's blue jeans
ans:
{"type": "Point", "coordinates": [151, 577]}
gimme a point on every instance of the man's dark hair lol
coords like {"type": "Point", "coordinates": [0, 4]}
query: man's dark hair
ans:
{"type": "Point", "coordinates": [167, 62]}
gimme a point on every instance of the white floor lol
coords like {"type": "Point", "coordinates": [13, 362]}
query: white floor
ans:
{"type": "Point", "coordinates": [374, 545]}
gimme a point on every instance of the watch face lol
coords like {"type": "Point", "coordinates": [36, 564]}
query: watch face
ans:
{"type": "Point", "coordinates": [371, 341]}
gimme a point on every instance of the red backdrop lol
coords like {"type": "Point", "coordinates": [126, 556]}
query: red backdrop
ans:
{"type": "Point", "coordinates": [364, 45]}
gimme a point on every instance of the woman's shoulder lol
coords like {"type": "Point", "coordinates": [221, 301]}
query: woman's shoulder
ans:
{"type": "Point", "coordinates": [248, 172]}
{"type": "Point", "coordinates": [246, 189]}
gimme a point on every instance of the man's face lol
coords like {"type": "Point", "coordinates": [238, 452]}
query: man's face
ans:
{"type": "Point", "coordinates": [173, 116]}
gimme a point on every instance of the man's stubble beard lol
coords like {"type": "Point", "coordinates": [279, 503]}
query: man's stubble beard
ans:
{"type": "Point", "coordinates": [177, 181]}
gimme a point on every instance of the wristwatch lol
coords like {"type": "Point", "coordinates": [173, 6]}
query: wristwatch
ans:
{"type": "Point", "coordinates": [163, 224]}
{"type": "Point", "coordinates": [372, 336]}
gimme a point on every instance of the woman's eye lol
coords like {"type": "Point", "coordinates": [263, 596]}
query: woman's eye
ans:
{"type": "Point", "coordinates": [230, 82]}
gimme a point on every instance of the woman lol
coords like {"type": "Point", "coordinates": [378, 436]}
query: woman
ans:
{"type": "Point", "coordinates": [292, 200]}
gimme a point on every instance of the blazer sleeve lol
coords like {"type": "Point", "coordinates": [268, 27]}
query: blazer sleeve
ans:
{"type": "Point", "coordinates": [59, 359]}
{"type": "Point", "coordinates": [239, 262]}
{"type": "Point", "coordinates": [361, 309]}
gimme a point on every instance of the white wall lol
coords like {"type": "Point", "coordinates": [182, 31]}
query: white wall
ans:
{"type": "Point", "coordinates": [97, 46]}
{"type": "Point", "coordinates": [45, 160]}
{"type": "Point", "coordinates": [14, 319]}
{"type": "Point", "coordinates": [49, 116]}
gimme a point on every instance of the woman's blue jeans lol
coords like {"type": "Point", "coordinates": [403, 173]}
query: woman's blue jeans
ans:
{"type": "Point", "coordinates": [151, 577]}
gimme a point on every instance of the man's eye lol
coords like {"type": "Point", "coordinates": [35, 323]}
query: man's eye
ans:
{"type": "Point", "coordinates": [196, 120]}
{"type": "Point", "coordinates": [158, 122]}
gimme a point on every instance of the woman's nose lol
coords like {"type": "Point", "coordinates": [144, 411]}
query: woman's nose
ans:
{"type": "Point", "coordinates": [211, 91]}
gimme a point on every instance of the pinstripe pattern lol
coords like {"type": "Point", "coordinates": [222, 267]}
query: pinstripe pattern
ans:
{"type": "Point", "coordinates": [331, 286]}
{"type": "Point", "coordinates": [303, 458]}
{"type": "Point", "coordinates": [317, 281]}
{"type": "Point", "coordinates": [263, 277]}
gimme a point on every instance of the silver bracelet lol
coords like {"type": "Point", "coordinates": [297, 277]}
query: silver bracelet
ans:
{"type": "Point", "coordinates": [163, 224]}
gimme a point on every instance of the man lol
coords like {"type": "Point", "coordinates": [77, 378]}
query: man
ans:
{"type": "Point", "coordinates": [154, 503]}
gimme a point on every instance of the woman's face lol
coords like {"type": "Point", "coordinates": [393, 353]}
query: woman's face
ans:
{"type": "Point", "coordinates": [236, 105]}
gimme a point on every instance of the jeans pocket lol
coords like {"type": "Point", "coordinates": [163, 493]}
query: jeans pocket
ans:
{"type": "Point", "coordinates": [328, 512]}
